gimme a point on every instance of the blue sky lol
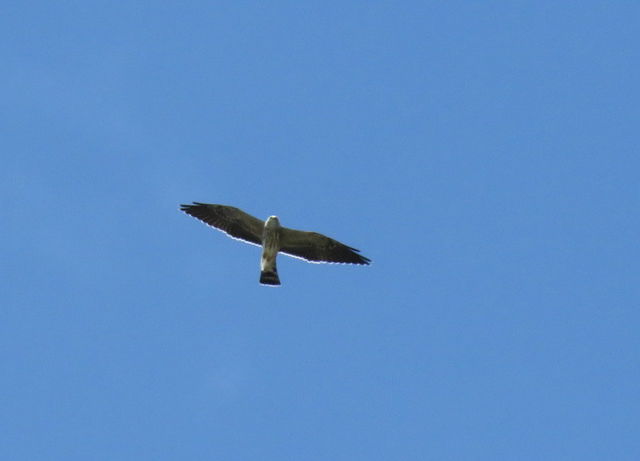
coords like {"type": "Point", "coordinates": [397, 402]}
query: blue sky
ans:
{"type": "Point", "coordinates": [484, 155]}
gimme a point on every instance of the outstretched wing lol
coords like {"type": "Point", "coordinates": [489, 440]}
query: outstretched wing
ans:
{"type": "Point", "coordinates": [230, 220]}
{"type": "Point", "coordinates": [316, 247]}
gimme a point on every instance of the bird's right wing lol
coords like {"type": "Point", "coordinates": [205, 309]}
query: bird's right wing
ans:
{"type": "Point", "coordinates": [230, 220]}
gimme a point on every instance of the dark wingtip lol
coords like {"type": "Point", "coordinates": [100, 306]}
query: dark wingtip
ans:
{"type": "Point", "coordinates": [187, 209]}
{"type": "Point", "coordinates": [194, 205]}
{"type": "Point", "coordinates": [364, 260]}
{"type": "Point", "coordinates": [359, 259]}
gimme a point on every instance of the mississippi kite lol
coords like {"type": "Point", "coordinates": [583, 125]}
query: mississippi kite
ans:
{"type": "Point", "coordinates": [273, 238]}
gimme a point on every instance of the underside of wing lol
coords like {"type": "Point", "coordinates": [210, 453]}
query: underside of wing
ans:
{"type": "Point", "coordinates": [315, 247]}
{"type": "Point", "coordinates": [230, 220]}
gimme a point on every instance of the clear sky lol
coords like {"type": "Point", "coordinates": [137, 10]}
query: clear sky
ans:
{"type": "Point", "coordinates": [484, 155]}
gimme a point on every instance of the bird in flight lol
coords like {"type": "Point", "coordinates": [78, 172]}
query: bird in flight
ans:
{"type": "Point", "coordinates": [274, 239]}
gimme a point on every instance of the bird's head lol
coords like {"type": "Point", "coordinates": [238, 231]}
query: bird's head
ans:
{"type": "Point", "coordinates": [272, 221]}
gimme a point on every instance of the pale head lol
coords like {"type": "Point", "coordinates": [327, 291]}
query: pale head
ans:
{"type": "Point", "coordinates": [272, 221]}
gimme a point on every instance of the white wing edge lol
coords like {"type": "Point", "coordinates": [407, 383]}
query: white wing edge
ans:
{"type": "Point", "coordinates": [228, 234]}
{"type": "Point", "coordinates": [323, 262]}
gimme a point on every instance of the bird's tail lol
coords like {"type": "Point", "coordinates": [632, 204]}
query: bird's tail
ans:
{"type": "Point", "coordinates": [269, 277]}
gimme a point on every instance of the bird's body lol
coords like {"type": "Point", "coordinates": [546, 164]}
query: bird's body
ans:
{"type": "Point", "coordinates": [274, 239]}
{"type": "Point", "coordinates": [270, 248]}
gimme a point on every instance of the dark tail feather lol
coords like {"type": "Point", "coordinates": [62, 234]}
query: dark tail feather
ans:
{"type": "Point", "coordinates": [269, 278]}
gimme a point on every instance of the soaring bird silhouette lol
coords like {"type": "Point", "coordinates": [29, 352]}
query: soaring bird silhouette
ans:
{"type": "Point", "coordinates": [274, 239]}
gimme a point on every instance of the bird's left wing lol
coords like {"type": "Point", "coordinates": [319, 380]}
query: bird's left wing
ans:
{"type": "Point", "coordinates": [230, 220]}
{"type": "Point", "coordinates": [315, 247]}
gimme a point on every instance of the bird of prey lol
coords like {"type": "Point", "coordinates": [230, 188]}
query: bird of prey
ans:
{"type": "Point", "coordinates": [273, 238]}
